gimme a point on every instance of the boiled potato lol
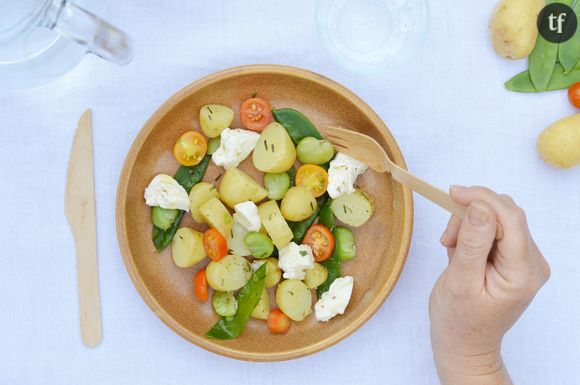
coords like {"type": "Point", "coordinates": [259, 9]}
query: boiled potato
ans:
{"type": "Point", "coordinates": [275, 151]}
{"type": "Point", "coordinates": [236, 240]}
{"type": "Point", "coordinates": [354, 209]}
{"type": "Point", "coordinates": [273, 272]}
{"type": "Point", "coordinates": [230, 273]}
{"type": "Point", "coordinates": [262, 309]}
{"type": "Point", "coordinates": [316, 276]}
{"type": "Point", "coordinates": [216, 215]}
{"type": "Point", "coordinates": [294, 299]}
{"type": "Point", "coordinates": [214, 118]}
{"type": "Point", "coordinates": [237, 186]}
{"type": "Point", "coordinates": [559, 144]}
{"type": "Point", "coordinates": [199, 194]}
{"type": "Point", "coordinates": [298, 204]}
{"type": "Point", "coordinates": [513, 27]}
{"type": "Point", "coordinates": [187, 247]}
{"type": "Point", "coordinates": [275, 224]}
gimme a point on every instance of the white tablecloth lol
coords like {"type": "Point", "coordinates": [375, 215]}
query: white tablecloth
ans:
{"type": "Point", "coordinates": [448, 110]}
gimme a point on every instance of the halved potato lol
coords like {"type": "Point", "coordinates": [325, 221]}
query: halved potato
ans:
{"type": "Point", "coordinates": [275, 224]}
{"type": "Point", "coordinates": [353, 209]}
{"type": "Point", "coordinates": [316, 276]}
{"type": "Point", "coordinates": [187, 247]}
{"type": "Point", "coordinates": [294, 299]}
{"type": "Point", "coordinates": [217, 215]}
{"type": "Point", "coordinates": [199, 194]}
{"type": "Point", "coordinates": [214, 118]}
{"type": "Point", "coordinates": [298, 204]}
{"type": "Point", "coordinates": [275, 151]}
{"type": "Point", "coordinates": [229, 273]}
{"type": "Point", "coordinates": [237, 186]}
{"type": "Point", "coordinates": [262, 309]}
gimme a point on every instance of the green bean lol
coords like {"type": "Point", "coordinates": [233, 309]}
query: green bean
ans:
{"type": "Point", "coordinates": [569, 51]}
{"type": "Point", "coordinates": [314, 151]}
{"type": "Point", "coordinates": [260, 245]}
{"type": "Point", "coordinates": [228, 328]}
{"type": "Point", "coordinates": [224, 303]}
{"type": "Point", "coordinates": [163, 218]}
{"type": "Point", "coordinates": [522, 82]}
{"type": "Point", "coordinates": [186, 177]}
{"type": "Point", "coordinates": [277, 184]}
{"type": "Point", "coordinates": [213, 144]}
{"type": "Point", "coordinates": [296, 124]}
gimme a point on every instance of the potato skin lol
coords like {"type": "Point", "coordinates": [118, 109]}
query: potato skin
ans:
{"type": "Point", "coordinates": [559, 144]}
{"type": "Point", "coordinates": [513, 27]}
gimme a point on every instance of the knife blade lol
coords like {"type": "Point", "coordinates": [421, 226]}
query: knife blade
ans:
{"type": "Point", "coordinates": [80, 213]}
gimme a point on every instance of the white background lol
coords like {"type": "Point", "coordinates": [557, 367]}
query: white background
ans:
{"type": "Point", "coordinates": [448, 110]}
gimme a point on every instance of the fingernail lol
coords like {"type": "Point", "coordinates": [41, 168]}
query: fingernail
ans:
{"type": "Point", "coordinates": [456, 188]}
{"type": "Point", "coordinates": [477, 214]}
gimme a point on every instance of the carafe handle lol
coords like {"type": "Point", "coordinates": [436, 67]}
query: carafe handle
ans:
{"type": "Point", "coordinates": [98, 36]}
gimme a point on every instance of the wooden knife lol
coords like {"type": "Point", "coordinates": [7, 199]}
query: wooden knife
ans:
{"type": "Point", "coordinates": [80, 212]}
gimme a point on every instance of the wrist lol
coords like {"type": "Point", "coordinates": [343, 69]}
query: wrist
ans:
{"type": "Point", "coordinates": [486, 368]}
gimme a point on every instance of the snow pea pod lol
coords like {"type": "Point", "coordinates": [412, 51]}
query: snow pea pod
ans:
{"type": "Point", "coordinates": [542, 61]}
{"type": "Point", "coordinates": [561, 79]}
{"type": "Point", "coordinates": [299, 229]}
{"type": "Point", "coordinates": [296, 124]}
{"type": "Point", "coordinates": [228, 328]}
{"type": "Point", "coordinates": [332, 264]}
{"type": "Point", "coordinates": [569, 53]}
{"type": "Point", "coordinates": [186, 176]}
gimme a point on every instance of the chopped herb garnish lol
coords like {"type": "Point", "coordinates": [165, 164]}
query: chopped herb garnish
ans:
{"type": "Point", "coordinates": [303, 253]}
{"type": "Point", "coordinates": [254, 94]}
{"type": "Point", "coordinates": [209, 117]}
{"type": "Point", "coordinates": [312, 206]}
{"type": "Point", "coordinates": [230, 251]}
{"type": "Point", "coordinates": [273, 150]}
{"type": "Point", "coordinates": [344, 208]}
{"type": "Point", "coordinates": [209, 109]}
{"type": "Point", "coordinates": [291, 292]}
{"type": "Point", "coordinates": [266, 145]}
{"type": "Point", "coordinates": [231, 233]}
{"type": "Point", "coordinates": [218, 178]}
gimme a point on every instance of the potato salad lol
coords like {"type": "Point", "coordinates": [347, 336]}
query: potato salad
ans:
{"type": "Point", "coordinates": [273, 246]}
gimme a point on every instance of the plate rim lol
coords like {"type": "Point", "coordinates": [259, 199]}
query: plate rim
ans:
{"type": "Point", "coordinates": [121, 200]}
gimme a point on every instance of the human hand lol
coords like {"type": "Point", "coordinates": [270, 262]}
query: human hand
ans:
{"type": "Point", "coordinates": [484, 289]}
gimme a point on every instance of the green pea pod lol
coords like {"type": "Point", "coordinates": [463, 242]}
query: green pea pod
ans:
{"type": "Point", "coordinates": [561, 79]}
{"type": "Point", "coordinates": [569, 52]}
{"type": "Point", "coordinates": [299, 229]}
{"type": "Point", "coordinates": [542, 61]}
{"type": "Point", "coordinates": [292, 174]}
{"type": "Point", "coordinates": [228, 328]}
{"type": "Point", "coordinates": [296, 124]}
{"type": "Point", "coordinates": [332, 265]}
{"type": "Point", "coordinates": [186, 177]}
{"type": "Point", "coordinates": [326, 217]}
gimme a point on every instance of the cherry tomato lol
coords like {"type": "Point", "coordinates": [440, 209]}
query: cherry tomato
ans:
{"type": "Point", "coordinates": [313, 177]}
{"type": "Point", "coordinates": [190, 149]}
{"type": "Point", "coordinates": [200, 286]}
{"type": "Point", "coordinates": [278, 322]}
{"type": "Point", "coordinates": [321, 241]}
{"type": "Point", "coordinates": [255, 114]}
{"type": "Point", "coordinates": [574, 94]}
{"type": "Point", "coordinates": [215, 244]}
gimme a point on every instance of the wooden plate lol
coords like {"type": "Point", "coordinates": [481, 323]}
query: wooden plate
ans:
{"type": "Point", "coordinates": [382, 243]}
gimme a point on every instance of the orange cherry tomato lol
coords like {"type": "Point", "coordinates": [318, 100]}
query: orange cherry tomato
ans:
{"type": "Point", "coordinates": [215, 244]}
{"type": "Point", "coordinates": [574, 94]}
{"type": "Point", "coordinates": [200, 286]}
{"type": "Point", "coordinates": [278, 322]}
{"type": "Point", "coordinates": [190, 149]}
{"type": "Point", "coordinates": [321, 241]}
{"type": "Point", "coordinates": [313, 177]}
{"type": "Point", "coordinates": [255, 114]}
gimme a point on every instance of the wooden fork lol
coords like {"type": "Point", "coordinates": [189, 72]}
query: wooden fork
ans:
{"type": "Point", "coordinates": [371, 153]}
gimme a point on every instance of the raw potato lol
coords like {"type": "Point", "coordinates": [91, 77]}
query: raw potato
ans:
{"type": "Point", "coordinates": [229, 273]}
{"type": "Point", "coordinates": [273, 272]}
{"type": "Point", "coordinates": [275, 224]}
{"type": "Point", "coordinates": [316, 276]}
{"type": "Point", "coordinates": [201, 193]}
{"type": "Point", "coordinates": [217, 215]}
{"type": "Point", "coordinates": [187, 247]}
{"type": "Point", "coordinates": [262, 309]}
{"type": "Point", "coordinates": [353, 209]}
{"type": "Point", "coordinates": [214, 118]}
{"type": "Point", "coordinates": [559, 144]}
{"type": "Point", "coordinates": [236, 240]}
{"type": "Point", "coordinates": [237, 186]}
{"type": "Point", "coordinates": [294, 299]}
{"type": "Point", "coordinates": [513, 27]}
{"type": "Point", "coordinates": [275, 151]}
{"type": "Point", "coordinates": [298, 204]}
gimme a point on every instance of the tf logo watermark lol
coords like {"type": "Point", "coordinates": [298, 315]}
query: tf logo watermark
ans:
{"type": "Point", "coordinates": [557, 23]}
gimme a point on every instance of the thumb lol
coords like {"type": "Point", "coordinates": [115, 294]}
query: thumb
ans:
{"type": "Point", "coordinates": [466, 269]}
